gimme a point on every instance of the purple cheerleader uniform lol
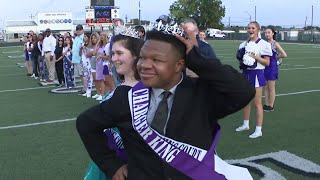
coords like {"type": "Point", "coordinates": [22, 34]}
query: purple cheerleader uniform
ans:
{"type": "Point", "coordinates": [99, 66]}
{"type": "Point", "coordinates": [271, 71]}
{"type": "Point", "coordinates": [255, 73]}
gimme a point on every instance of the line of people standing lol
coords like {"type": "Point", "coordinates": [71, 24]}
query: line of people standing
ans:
{"type": "Point", "coordinates": [85, 56]}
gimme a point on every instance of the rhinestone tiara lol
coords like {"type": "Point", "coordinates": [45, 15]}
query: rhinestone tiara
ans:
{"type": "Point", "coordinates": [131, 32]}
{"type": "Point", "coordinates": [169, 29]}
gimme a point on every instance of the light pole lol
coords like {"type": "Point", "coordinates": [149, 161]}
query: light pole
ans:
{"type": "Point", "coordinates": [139, 14]}
{"type": "Point", "coordinates": [255, 13]}
{"type": "Point", "coordinates": [249, 15]}
{"type": "Point", "coordinates": [312, 39]}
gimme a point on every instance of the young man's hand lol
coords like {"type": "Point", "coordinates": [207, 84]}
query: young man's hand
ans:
{"type": "Point", "coordinates": [121, 174]}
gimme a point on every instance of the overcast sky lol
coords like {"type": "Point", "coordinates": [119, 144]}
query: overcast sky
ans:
{"type": "Point", "coordinates": [276, 12]}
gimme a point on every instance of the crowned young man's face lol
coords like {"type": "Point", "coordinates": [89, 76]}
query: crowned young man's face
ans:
{"type": "Point", "coordinates": [159, 66]}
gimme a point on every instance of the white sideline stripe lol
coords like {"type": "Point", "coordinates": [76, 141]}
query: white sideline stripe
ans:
{"type": "Point", "coordinates": [3, 47]}
{"type": "Point", "coordinates": [8, 66]}
{"type": "Point", "coordinates": [299, 92]}
{"type": "Point", "coordinates": [235, 60]}
{"type": "Point", "coordinates": [36, 124]}
{"type": "Point", "coordinates": [288, 69]}
{"type": "Point", "coordinates": [73, 119]}
{"type": "Point", "coordinates": [25, 89]}
{"type": "Point", "coordinates": [5, 75]}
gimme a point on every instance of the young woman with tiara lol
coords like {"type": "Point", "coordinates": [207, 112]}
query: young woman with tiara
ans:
{"type": "Point", "coordinates": [67, 63]}
{"type": "Point", "coordinates": [271, 71]}
{"type": "Point", "coordinates": [125, 53]}
{"type": "Point", "coordinates": [86, 65]}
{"type": "Point", "coordinates": [254, 55]}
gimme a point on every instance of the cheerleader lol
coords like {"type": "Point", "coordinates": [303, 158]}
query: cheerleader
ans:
{"type": "Point", "coordinates": [254, 55]}
{"type": "Point", "coordinates": [271, 71]}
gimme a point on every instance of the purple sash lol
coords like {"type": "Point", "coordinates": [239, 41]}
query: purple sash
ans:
{"type": "Point", "coordinates": [194, 162]}
{"type": "Point", "coordinates": [115, 143]}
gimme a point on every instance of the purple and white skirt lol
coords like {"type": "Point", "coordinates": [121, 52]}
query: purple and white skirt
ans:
{"type": "Point", "coordinates": [255, 77]}
{"type": "Point", "coordinates": [271, 71]}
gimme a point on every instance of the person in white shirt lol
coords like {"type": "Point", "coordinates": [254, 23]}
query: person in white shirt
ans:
{"type": "Point", "coordinates": [48, 48]}
{"type": "Point", "coordinates": [255, 56]}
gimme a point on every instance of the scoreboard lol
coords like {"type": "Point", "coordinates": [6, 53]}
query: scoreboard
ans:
{"type": "Point", "coordinates": [101, 15]}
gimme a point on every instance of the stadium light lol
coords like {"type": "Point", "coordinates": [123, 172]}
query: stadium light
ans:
{"type": "Point", "coordinates": [249, 15]}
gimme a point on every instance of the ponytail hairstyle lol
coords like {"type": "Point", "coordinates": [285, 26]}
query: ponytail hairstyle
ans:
{"type": "Point", "coordinates": [258, 26]}
{"type": "Point", "coordinates": [274, 33]}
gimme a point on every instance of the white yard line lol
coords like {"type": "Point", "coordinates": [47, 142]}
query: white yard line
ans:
{"type": "Point", "coordinates": [36, 124]}
{"type": "Point", "coordinates": [9, 47]}
{"type": "Point", "coordinates": [227, 56]}
{"type": "Point", "coordinates": [299, 92]}
{"type": "Point", "coordinates": [11, 52]}
{"type": "Point", "coordinates": [6, 75]}
{"type": "Point", "coordinates": [288, 69]}
{"type": "Point", "coordinates": [73, 119]}
{"type": "Point", "coordinates": [8, 66]}
{"type": "Point", "coordinates": [24, 89]}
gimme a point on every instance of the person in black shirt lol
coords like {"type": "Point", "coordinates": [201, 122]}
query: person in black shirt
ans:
{"type": "Point", "coordinates": [59, 61]}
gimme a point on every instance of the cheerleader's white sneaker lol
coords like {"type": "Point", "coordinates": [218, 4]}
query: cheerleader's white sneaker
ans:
{"type": "Point", "coordinates": [95, 96]}
{"type": "Point", "coordinates": [256, 134]}
{"type": "Point", "coordinates": [99, 98]}
{"type": "Point", "coordinates": [242, 128]}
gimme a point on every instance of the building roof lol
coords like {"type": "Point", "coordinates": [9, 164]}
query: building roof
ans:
{"type": "Point", "coordinates": [19, 23]}
{"type": "Point", "coordinates": [77, 21]}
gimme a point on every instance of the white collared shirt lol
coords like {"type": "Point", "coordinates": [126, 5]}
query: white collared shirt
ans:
{"type": "Point", "coordinates": [49, 44]}
{"type": "Point", "coordinates": [155, 99]}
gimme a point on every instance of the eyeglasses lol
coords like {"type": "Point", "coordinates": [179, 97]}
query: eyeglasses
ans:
{"type": "Point", "coordinates": [60, 40]}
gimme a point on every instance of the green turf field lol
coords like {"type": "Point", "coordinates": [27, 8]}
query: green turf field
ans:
{"type": "Point", "coordinates": [54, 151]}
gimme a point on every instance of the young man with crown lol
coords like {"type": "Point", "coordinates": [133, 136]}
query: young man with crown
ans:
{"type": "Point", "coordinates": [168, 122]}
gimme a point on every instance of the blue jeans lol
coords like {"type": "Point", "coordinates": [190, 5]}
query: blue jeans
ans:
{"type": "Point", "coordinates": [35, 59]}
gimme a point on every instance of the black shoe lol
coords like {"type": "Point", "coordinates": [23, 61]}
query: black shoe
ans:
{"type": "Point", "coordinates": [267, 108]}
{"type": "Point", "coordinates": [80, 92]}
{"type": "Point", "coordinates": [29, 74]}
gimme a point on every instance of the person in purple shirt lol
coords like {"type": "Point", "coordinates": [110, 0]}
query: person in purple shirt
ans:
{"type": "Point", "coordinates": [271, 71]}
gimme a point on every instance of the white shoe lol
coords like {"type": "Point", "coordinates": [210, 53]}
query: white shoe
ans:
{"type": "Point", "coordinates": [255, 134]}
{"type": "Point", "coordinates": [95, 96]}
{"type": "Point", "coordinates": [33, 75]}
{"type": "Point", "coordinates": [242, 128]}
{"type": "Point", "coordinates": [84, 95]}
{"type": "Point", "coordinates": [36, 77]}
{"type": "Point", "coordinates": [99, 98]}
{"type": "Point", "coordinates": [88, 95]}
